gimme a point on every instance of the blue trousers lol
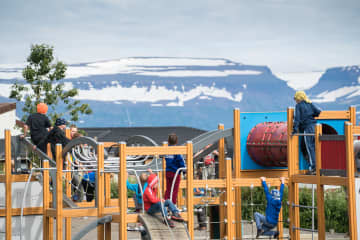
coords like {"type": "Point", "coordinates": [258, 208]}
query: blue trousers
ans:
{"type": "Point", "coordinates": [262, 224]}
{"type": "Point", "coordinates": [310, 146]}
{"type": "Point", "coordinates": [157, 207]}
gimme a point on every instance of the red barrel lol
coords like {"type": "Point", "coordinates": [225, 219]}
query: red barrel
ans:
{"type": "Point", "coordinates": [267, 144]}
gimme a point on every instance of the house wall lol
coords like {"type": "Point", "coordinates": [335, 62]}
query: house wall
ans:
{"type": "Point", "coordinates": [8, 121]}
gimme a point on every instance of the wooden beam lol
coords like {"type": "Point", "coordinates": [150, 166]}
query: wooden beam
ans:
{"type": "Point", "coordinates": [81, 212]}
{"type": "Point", "coordinates": [159, 150]}
{"type": "Point", "coordinates": [334, 115]}
{"type": "Point", "coordinates": [8, 183]}
{"type": "Point", "coordinates": [320, 187]}
{"type": "Point", "coordinates": [59, 193]}
{"type": "Point", "coordinates": [350, 169]}
{"type": "Point", "coordinates": [237, 173]}
{"type": "Point", "coordinates": [100, 190]}
{"type": "Point", "coordinates": [230, 201]}
{"type": "Point", "coordinates": [122, 191]}
{"type": "Point", "coordinates": [268, 173]}
{"type": "Point", "coordinates": [67, 189]}
{"type": "Point", "coordinates": [190, 188]}
{"type": "Point", "coordinates": [46, 200]}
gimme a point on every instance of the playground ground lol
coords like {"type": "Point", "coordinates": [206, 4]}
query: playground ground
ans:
{"type": "Point", "coordinates": [79, 223]}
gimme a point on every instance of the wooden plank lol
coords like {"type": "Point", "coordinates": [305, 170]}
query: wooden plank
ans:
{"type": "Point", "coordinates": [107, 231]}
{"type": "Point", "coordinates": [8, 183]}
{"type": "Point", "coordinates": [100, 191]}
{"type": "Point", "coordinates": [237, 172]}
{"type": "Point", "coordinates": [27, 211]}
{"type": "Point", "coordinates": [320, 187]}
{"type": "Point", "coordinates": [256, 182]}
{"type": "Point", "coordinates": [46, 200]}
{"type": "Point", "coordinates": [350, 169]}
{"type": "Point", "coordinates": [17, 177]}
{"type": "Point", "coordinates": [158, 150]}
{"type": "Point", "coordinates": [81, 212]}
{"type": "Point", "coordinates": [59, 193]}
{"type": "Point", "coordinates": [352, 110]}
{"type": "Point", "coordinates": [334, 115]}
{"type": "Point", "coordinates": [156, 228]}
{"type": "Point", "coordinates": [110, 144]}
{"type": "Point", "coordinates": [190, 188]}
{"type": "Point", "coordinates": [122, 191]}
{"type": "Point", "coordinates": [269, 173]}
{"type": "Point", "coordinates": [107, 189]}
{"type": "Point", "coordinates": [68, 190]}
{"type": "Point", "coordinates": [229, 200]}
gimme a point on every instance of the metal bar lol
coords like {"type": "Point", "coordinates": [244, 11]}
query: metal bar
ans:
{"type": "Point", "coordinates": [304, 229]}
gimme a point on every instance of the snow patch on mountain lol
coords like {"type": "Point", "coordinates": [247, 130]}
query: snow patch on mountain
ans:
{"type": "Point", "coordinates": [300, 80]}
{"type": "Point", "coordinates": [155, 94]}
{"type": "Point", "coordinates": [331, 96]}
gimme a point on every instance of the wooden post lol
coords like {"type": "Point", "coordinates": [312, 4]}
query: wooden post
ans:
{"type": "Point", "coordinates": [292, 156]}
{"type": "Point", "coordinates": [237, 168]}
{"type": "Point", "coordinates": [319, 187]}
{"type": "Point", "coordinates": [162, 177]}
{"type": "Point", "coordinates": [280, 225]}
{"type": "Point", "coordinates": [100, 189]}
{"type": "Point", "coordinates": [50, 219]}
{"type": "Point", "coordinates": [68, 191]}
{"type": "Point", "coordinates": [222, 173]}
{"type": "Point", "coordinates": [46, 200]}
{"type": "Point", "coordinates": [352, 111]}
{"type": "Point", "coordinates": [190, 188]}
{"type": "Point", "coordinates": [350, 168]}
{"type": "Point", "coordinates": [107, 203]}
{"type": "Point", "coordinates": [122, 192]}
{"type": "Point", "coordinates": [8, 184]}
{"type": "Point", "coordinates": [230, 201]}
{"type": "Point", "coordinates": [59, 193]}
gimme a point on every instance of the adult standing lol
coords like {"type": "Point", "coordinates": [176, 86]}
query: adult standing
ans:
{"type": "Point", "coordinates": [39, 125]}
{"type": "Point", "coordinates": [304, 122]}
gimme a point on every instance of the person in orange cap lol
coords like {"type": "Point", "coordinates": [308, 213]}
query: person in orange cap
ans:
{"type": "Point", "coordinates": [39, 125]}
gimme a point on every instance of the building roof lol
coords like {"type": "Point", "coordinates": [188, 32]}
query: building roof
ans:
{"type": "Point", "coordinates": [158, 134]}
{"type": "Point", "coordinates": [6, 107]}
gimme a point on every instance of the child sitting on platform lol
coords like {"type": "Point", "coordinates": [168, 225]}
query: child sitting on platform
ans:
{"type": "Point", "coordinates": [135, 187]}
{"type": "Point", "coordinates": [154, 205]}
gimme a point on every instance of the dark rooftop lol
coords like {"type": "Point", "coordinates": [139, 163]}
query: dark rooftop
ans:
{"type": "Point", "coordinates": [158, 134]}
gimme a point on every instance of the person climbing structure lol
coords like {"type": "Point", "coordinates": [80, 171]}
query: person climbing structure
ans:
{"type": "Point", "coordinates": [265, 224]}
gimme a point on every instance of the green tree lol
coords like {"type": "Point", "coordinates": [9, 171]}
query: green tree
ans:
{"type": "Point", "coordinates": [43, 77]}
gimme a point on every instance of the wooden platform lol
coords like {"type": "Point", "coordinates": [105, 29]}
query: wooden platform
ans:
{"type": "Point", "coordinates": [157, 230]}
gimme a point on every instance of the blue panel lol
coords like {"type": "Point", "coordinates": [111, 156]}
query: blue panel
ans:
{"type": "Point", "coordinates": [247, 122]}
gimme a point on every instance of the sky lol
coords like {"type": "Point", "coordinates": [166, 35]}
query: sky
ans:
{"type": "Point", "coordinates": [286, 35]}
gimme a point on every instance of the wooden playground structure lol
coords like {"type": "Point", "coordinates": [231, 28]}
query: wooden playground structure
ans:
{"type": "Point", "coordinates": [232, 176]}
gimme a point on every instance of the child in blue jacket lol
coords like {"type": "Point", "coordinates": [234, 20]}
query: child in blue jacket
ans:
{"type": "Point", "coordinates": [173, 163]}
{"type": "Point", "coordinates": [264, 224]}
{"type": "Point", "coordinates": [304, 122]}
{"type": "Point", "coordinates": [135, 187]}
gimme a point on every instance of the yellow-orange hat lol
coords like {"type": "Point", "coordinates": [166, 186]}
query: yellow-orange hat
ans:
{"type": "Point", "coordinates": [42, 108]}
{"type": "Point", "coordinates": [301, 96]}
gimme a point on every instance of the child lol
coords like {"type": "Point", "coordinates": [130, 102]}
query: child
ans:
{"type": "Point", "coordinates": [135, 187]}
{"type": "Point", "coordinates": [173, 163]}
{"type": "Point", "coordinates": [304, 122]}
{"type": "Point", "coordinates": [39, 125]}
{"type": "Point", "coordinates": [153, 204]}
{"type": "Point", "coordinates": [264, 224]}
{"type": "Point", "coordinates": [56, 135]}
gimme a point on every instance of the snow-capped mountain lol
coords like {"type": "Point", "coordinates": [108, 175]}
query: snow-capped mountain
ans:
{"type": "Point", "coordinates": [196, 92]}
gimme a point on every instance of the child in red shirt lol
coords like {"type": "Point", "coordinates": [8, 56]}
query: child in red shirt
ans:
{"type": "Point", "coordinates": [153, 204]}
